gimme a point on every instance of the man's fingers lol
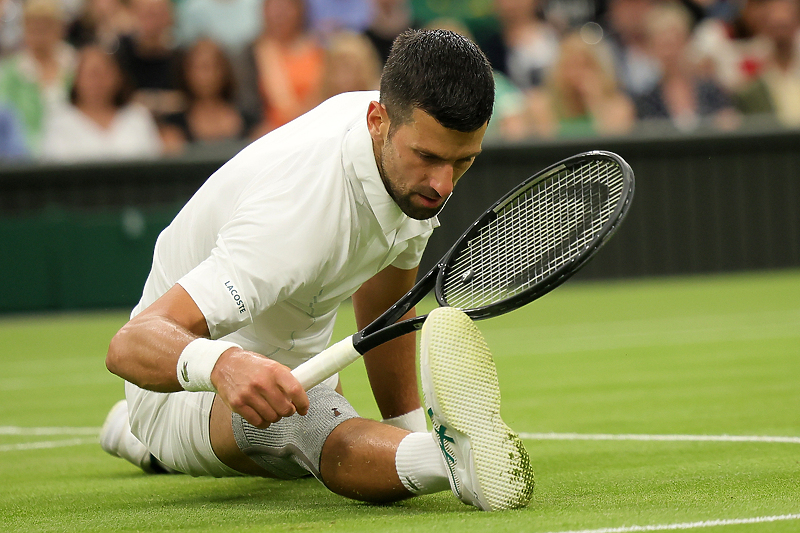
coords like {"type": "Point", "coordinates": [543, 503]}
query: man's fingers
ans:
{"type": "Point", "coordinates": [254, 418]}
{"type": "Point", "coordinates": [294, 392]}
{"type": "Point", "coordinates": [257, 411]}
{"type": "Point", "coordinates": [267, 393]}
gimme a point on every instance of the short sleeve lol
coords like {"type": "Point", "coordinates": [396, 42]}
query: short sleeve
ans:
{"type": "Point", "coordinates": [412, 255]}
{"type": "Point", "coordinates": [216, 288]}
{"type": "Point", "coordinates": [268, 249]}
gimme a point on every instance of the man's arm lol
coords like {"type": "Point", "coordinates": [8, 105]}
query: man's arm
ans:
{"type": "Point", "coordinates": [145, 352]}
{"type": "Point", "coordinates": [391, 367]}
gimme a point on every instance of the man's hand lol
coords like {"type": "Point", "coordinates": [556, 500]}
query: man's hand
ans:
{"type": "Point", "coordinates": [261, 390]}
{"type": "Point", "coordinates": [146, 351]}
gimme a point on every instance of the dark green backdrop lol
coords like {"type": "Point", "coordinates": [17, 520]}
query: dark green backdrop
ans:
{"type": "Point", "coordinates": [82, 236]}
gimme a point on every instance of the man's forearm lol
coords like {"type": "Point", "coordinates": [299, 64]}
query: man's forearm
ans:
{"type": "Point", "coordinates": [392, 372]}
{"type": "Point", "coordinates": [145, 352]}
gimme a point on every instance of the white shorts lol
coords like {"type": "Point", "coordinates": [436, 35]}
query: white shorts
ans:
{"type": "Point", "coordinates": [175, 429]}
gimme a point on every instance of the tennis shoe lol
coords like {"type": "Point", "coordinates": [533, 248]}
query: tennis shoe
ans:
{"type": "Point", "coordinates": [116, 439]}
{"type": "Point", "coordinates": [486, 461]}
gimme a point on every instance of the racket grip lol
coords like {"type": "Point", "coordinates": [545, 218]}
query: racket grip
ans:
{"type": "Point", "coordinates": [326, 363]}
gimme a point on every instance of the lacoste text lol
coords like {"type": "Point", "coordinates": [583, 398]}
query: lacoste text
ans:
{"type": "Point", "coordinates": [236, 297]}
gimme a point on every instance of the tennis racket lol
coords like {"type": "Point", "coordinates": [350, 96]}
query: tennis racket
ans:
{"type": "Point", "coordinates": [524, 246]}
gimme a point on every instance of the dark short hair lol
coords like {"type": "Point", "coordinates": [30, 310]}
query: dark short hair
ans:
{"type": "Point", "coordinates": [443, 74]}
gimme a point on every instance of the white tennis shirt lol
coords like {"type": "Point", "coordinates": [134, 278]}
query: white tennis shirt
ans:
{"type": "Point", "coordinates": [285, 231]}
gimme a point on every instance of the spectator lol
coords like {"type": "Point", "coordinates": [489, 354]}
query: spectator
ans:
{"type": "Point", "coordinates": [351, 64]}
{"type": "Point", "coordinates": [326, 17]}
{"type": "Point", "coordinates": [150, 58]}
{"type": "Point", "coordinates": [288, 64]}
{"type": "Point", "coordinates": [37, 78]}
{"type": "Point", "coordinates": [12, 141]}
{"type": "Point", "coordinates": [389, 19]}
{"type": "Point", "coordinates": [733, 53]}
{"type": "Point", "coordinates": [209, 86]}
{"type": "Point", "coordinates": [101, 122]}
{"type": "Point", "coordinates": [525, 46]}
{"type": "Point", "coordinates": [776, 91]}
{"type": "Point", "coordinates": [681, 95]}
{"type": "Point", "coordinates": [580, 96]}
{"type": "Point", "coordinates": [569, 15]}
{"type": "Point", "coordinates": [234, 24]}
{"type": "Point", "coordinates": [625, 27]}
{"type": "Point", "coordinates": [10, 26]}
{"type": "Point", "coordinates": [102, 22]}
{"type": "Point", "coordinates": [477, 15]}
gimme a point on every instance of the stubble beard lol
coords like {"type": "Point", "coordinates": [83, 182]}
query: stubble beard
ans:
{"type": "Point", "coordinates": [402, 197]}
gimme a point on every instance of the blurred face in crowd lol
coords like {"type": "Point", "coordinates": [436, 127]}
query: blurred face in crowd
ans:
{"type": "Point", "coordinates": [668, 37]}
{"type": "Point", "coordinates": [153, 18]}
{"type": "Point", "coordinates": [389, 5]}
{"type": "Point", "coordinates": [351, 64]}
{"type": "Point", "coordinates": [284, 19]}
{"type": "Point", "coordinates": [515, 10]}
{"type": "Point", "coordinates": [205, 70]}
{"type": "Point", "coordinates": [97, 79]}
{"type": "Point", "coordinates": [42, 33]}
{"type": "Point", "coordinates": [103, 9]}
{"type": "Point", "coordinates": [752, 15]}
{"type": "Point", "coordinates": [780, 21]}
{"type": "Point", "coordinates": [627, 18]}
{"type": "Point", "coordinates": [575, 65]}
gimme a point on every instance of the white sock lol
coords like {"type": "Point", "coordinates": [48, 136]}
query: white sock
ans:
{"type": "Point", "coordinates": [420, 464]}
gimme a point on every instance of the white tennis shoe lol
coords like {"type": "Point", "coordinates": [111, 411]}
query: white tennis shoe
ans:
{"type": "Point", "coordinates": [116, 439]}
{"type": "Point", "coordinates": [486, 461]}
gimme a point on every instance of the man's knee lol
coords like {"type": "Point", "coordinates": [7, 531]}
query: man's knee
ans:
{"type": "Point", "coordinates": [292, 447]}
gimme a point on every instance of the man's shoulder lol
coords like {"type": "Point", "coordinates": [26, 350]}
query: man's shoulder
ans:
{"type": "Point", "coordinates": [342, 109]}
{"type": "Point", "coordinates": [315, 136]}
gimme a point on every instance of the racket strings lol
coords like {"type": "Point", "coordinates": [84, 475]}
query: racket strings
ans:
{"type": "Point", "coordinates": [544, 227]}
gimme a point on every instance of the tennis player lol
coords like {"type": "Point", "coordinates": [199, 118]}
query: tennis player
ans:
{"type": "Point", "coordinates": [246, 282]}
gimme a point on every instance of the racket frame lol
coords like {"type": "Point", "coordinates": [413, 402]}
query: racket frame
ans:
{"type": "Point", "coordinates": [386, 327]}
{"type": "Point", "coordinates": [565, 271]}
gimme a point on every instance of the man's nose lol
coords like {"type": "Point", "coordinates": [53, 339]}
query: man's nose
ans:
{"type": "Point", "coordinates": [442, 180]}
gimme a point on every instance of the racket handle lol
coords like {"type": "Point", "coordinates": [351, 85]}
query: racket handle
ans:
{"type": "Point", "coordinates": [326, 363]}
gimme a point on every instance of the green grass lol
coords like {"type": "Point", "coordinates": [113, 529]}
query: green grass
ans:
{"type": "Point", "coordinates": [690, 356]}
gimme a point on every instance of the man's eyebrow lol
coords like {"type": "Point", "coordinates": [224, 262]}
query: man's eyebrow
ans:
{"type": "Point", "coordinates": [427, 153]}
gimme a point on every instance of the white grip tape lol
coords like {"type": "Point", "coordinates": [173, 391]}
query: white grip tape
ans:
{"type": "Point", "coordinates": [197, 361]}
{"type": "Point", "coordinates": [326, 363]}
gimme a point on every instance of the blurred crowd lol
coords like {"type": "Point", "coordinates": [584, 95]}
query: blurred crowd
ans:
{"type": "Point", "coordinates": [110, 79]}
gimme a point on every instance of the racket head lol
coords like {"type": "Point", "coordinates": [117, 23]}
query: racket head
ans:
{"type": "Point", "coordinates": [536, 236]}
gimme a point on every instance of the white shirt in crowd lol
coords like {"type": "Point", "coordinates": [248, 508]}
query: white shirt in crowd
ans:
{"type": "Point", "coordinates": [71, 136]}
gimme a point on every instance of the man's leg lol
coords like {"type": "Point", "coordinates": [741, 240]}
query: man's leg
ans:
{"type": "Point", "coordinates": [357, 459]}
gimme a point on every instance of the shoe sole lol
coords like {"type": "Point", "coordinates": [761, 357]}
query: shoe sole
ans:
{"type": "Point", "coordinates": [458, 368]}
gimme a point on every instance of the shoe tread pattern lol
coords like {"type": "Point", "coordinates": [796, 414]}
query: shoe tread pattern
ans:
{"type": "Point", "coordinates": [467, 390]}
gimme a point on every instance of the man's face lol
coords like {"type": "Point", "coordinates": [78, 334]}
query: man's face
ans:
{"type": "Point", "coordinates": [421, 161]}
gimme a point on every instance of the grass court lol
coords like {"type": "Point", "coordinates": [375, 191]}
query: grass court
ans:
{"type": "Point", "coordinates": [646, 405]}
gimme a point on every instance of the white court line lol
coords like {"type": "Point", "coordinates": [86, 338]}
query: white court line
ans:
{"type": "Point", "coordinates": [23, 446]}
{"type": "Point", "coordinates": [18, 430]}
{"type": "Point", "coordinates": [689, 525]}
{"type": "Point", "coordinates": [666, 438]}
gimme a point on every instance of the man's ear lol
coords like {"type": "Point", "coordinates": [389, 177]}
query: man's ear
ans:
{"type": "Point", "coordinates": [378, 122]}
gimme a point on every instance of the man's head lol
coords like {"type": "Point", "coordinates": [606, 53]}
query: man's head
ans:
{"type": "Point", "coordinates": [442, 73]}
{"type": "Point", "coordinates": [437, 93]}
